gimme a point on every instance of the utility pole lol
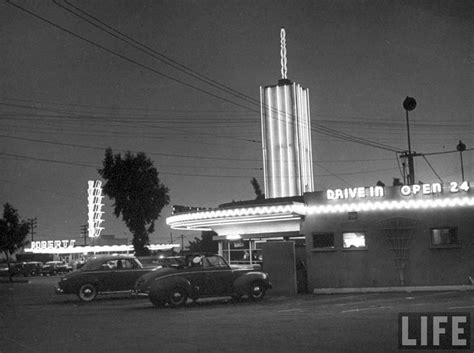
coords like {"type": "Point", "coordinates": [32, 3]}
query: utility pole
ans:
{"type": "Point", "coordinates": [171, 238]}
{"type": "Point", "coordinates": [32, 222]}
{"type": "Point", "coordinates": [409, 104]}
{"type": "Point", "coordinates": [182, 243]}
{"type": "Point", "coordinates": [84, 233]}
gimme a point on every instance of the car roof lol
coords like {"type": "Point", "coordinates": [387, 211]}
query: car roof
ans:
{"type": "Point", "coordinates": [111, 257]}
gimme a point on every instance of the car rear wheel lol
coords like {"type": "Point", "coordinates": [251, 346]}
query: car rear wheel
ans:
{"type": "Point", "coordinates": [87, 292]}
{"type": "Point", "coordinates": [257, 290]}
{"type": "Point", "coordinates": [177, 297]}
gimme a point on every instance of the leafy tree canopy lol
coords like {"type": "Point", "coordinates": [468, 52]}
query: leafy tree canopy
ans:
{"type": "Point", "coordinates": [133, 183]}
{"type": "Point", "coordinates": [13, 232]}
{"type": "Point", "coordinates": [205, 244]}
{"type": "Point", "coordinates": [256, 188]}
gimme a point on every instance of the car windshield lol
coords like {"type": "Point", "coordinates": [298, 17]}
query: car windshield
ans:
{"type": "Point", "coordinates": [92, 265]}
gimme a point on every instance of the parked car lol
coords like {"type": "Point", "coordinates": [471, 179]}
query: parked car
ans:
{"type": "Point", "coordinates": [201, 276]}
{"type": "Point", "coordinates": [52, 268]}
{"type": "Point", "coordinates": [14, 269]}
{"type": "Point", "coordinates": [31, 268]}
{"type": "Point", "coordinates": [107, 274]}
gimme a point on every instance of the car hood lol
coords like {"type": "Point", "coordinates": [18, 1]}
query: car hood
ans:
{"type": "Point", "coordinates": [74, 274]}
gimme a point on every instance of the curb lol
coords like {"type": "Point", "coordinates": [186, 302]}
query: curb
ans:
{"type": "Point", "coordinates": [393, 289]}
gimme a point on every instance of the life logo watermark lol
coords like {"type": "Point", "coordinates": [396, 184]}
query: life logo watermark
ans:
{"type": "Point", "coordinates": [434, 331]}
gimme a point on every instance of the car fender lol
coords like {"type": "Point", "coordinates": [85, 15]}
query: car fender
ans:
{"type": "Point", "coordinates": [241, 284]}
{"type": "Point", "coordinates": [73, 284]}
{"type": "Point", "coordinates": [161, 286]}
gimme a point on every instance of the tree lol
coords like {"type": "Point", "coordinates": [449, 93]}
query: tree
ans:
{"type": "Point", "coordinates": [13, 233]}
{"type": "Point", "coordinates": [133, 183]}
{"type": "Point", "coordinates": [257, 190]}
{"type": "Point", "coordinates": [205, 244]}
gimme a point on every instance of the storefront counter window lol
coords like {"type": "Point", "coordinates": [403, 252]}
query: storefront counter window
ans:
{"type": "Point", "coordinates": [354, 240]}
{"type": "Point", "coordinates": [323, 241]}
{"type": "Point", "coordinates": [444, 237]}
{"type": "Point", "coordinates": [243, 252]}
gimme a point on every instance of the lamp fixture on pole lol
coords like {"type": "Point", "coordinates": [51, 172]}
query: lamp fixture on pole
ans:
{"type": "Point", "coordinates": [409, 104]}
{"type": "Point", "coordinates": [461, 147]}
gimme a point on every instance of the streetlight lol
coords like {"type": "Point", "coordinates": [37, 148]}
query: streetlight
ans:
{"type": "Point", "coordinates": [409, 104]}
{"type": "Point", "coordinates": [461, 147]}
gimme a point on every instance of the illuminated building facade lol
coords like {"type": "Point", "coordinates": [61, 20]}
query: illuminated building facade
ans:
{"type": "Point", "coordinates": [362, 237]}
{"type": "Point", "coordinates": [392, 237]}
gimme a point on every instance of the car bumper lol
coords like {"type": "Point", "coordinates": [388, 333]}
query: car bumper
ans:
{"type": "Point", "coordinates": [140, 294]}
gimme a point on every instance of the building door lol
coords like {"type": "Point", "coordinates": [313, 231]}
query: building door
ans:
{"type": "Point", "coordinates": [279, 261]}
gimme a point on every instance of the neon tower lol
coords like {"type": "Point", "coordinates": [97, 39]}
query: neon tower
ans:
{"type": "Point", "coordinates": [286, 135]}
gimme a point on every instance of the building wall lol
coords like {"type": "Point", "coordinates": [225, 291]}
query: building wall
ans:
{"type": "Point", "coordinates": [375, 266]}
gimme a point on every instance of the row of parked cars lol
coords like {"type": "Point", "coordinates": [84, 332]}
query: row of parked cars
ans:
{"type": "Point", "coordinates": [35, 268]}
{"type": "Point", "coordinates": [171, 282]}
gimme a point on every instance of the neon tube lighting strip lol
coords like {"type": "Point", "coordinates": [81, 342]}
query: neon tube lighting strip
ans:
{"type": "Point", "coordinates": [96, 249]}
{"type": "Point", "coordinates": [237, 212]}
{"type": "Point", "coordinates": [210, 225]}
{"type": "Point", "coordinates": [204, 220]}
{"type": "Point", "coordinates": [234, 221]}
{"type": "Point", "coordinates": [391, 205]}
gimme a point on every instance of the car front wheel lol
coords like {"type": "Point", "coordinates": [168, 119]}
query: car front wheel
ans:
{"type": "Point", "coordinates": [257, 290]}
{"type": "Point", "coordinates": [87, 292]}
{"type": "Point", "coordinates": [177, 297]}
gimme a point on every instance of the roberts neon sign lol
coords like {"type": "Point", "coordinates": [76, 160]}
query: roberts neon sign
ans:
{"type": "Point", "coordinates": [52, 244]}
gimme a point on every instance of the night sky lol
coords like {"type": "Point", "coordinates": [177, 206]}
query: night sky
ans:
{"type": "Point", "coordinates": [64, 100]}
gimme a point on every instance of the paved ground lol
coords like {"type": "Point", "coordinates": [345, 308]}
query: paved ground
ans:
{"type": "Point", "coordinates": [34, 319]}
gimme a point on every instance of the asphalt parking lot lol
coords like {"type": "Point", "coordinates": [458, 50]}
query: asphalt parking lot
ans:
{"type": "Point", "coordinates": [34, 319]}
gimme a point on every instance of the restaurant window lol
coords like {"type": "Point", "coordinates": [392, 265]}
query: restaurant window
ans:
{"type": "Point", "coordinates": [243, 252]}
{"type": "Point", "coordinates": [353, 240]}
{"type": "Point", "coordinates": [444, 237]}
{"type": "Point", "coordinates": [323, 240]}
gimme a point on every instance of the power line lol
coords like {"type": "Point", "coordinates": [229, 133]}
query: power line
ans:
{"type": "Point", "coordinates": [193, 73]}
{"type": "Point", "coordinates": [124, 57]}
{"type": "Point", "coordinates": [154, 53]}
{"type": "Point", "coordinates": [321, 129]}
{"type": "Point", "coordinates": [121, 150]}
{"type": "Point", "coordinates": [134, 123]}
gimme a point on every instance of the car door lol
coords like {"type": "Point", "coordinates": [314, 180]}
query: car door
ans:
{"type": "Point", "coordinates": [126, 274]}
{"type": "Point", "coordinates": [105, 276]}
{"type": "Point", "coordinates": [218, 276]}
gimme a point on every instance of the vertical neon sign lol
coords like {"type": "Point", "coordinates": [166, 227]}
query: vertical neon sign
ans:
{"type": "Point", "coordinates": [95, 204]}
{"type": "Point", "coordinates": [286, 135]}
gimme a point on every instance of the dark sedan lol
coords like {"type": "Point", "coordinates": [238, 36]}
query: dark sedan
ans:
{"type": "Point", "coordinates": [200, 276]}
{"type": "Point", "coordinates": [107, 274]}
